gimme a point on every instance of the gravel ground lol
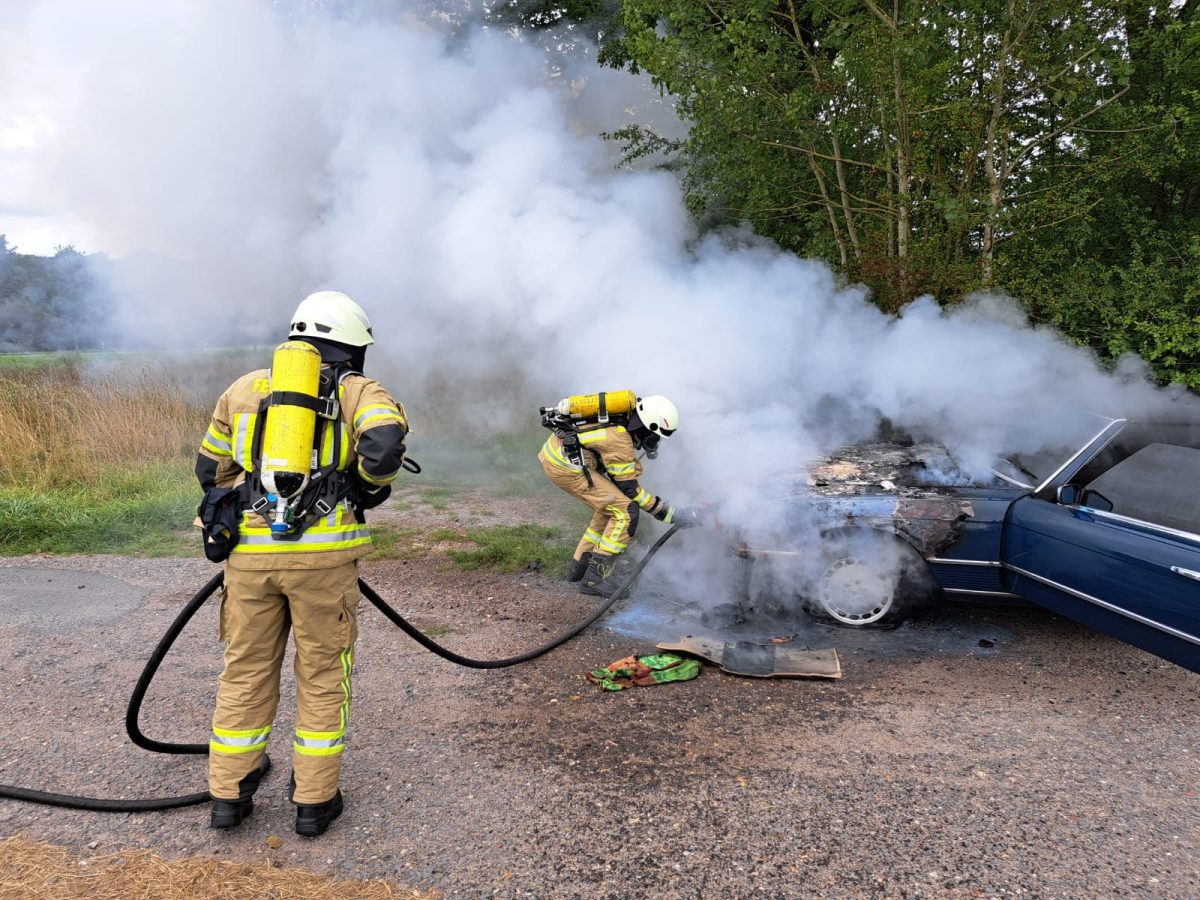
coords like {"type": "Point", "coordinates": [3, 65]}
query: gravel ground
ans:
{"type": "Point", "coordinates": [1058, 763]}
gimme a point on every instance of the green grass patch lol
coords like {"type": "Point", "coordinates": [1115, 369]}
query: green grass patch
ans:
{"type": "Point", "coordinates": [448, 534]}
{"type": "Point", "coordinates": [388, 542]}
{"type": "Point", "coordinates": [146, 512]}
{"type": "Point", "coordinates": [17, 362]}
{"type": "Point", "coordinates": [504, 464]}
{"type": "Point", "coordinates": [436, 495]}
{"type": "Point", "coordinates": [511, 548]}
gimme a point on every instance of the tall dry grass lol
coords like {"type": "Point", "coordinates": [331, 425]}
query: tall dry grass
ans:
{"type": "Point", "coordinates": [60, 428]}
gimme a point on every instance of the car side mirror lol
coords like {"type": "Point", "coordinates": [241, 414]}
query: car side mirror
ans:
{"type": "Point", "coordinates": [1069, 495]}
{"type": "Point", "coordinates": [1096, 500]}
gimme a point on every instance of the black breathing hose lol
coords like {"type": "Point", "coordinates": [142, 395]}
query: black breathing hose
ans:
{"type": "Point", "coordinates": [164, 645]}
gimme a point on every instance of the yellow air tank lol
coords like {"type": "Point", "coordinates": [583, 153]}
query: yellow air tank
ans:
{"type": "Point", "coordinates": [287, 446]}
{"type": "Point", "coordinates": [587, 406]}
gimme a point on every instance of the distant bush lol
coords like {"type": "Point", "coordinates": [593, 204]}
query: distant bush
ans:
{"type": "Point", "coordinates": [58, 302]}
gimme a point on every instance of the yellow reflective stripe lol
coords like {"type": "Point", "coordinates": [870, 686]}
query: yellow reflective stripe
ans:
{"type": "Point", "coordinates": [329, 743]}
{"type": "Point", "coordinates": [621, 468]}
{"type": "Point", "coordinates": [327, 444]}
{"type": "Point", "coordinates": [243, 439]}
{"type": "Point", "coordinates": [344, 455]}
{"type": "Point", "coordinates": [304, 744]}
{"type": "Point", "coordinates": [298, 547]}
{"type": "Point", "coordinates": [313, 531]}
{"type": "Point", "coordinates": [225, 740]}
{"type": "Point", "coordinates": [376, 479]}
{"type": "Point", "coordinates": [620, 522]}
{"type": "Point", "coordinates": [599, 434]}
{"type": "Point", "coordinates": [214, 747]}
{"type": "Point", "coordinates": [218, 443]}
{"type": "Point", "coordinates": [553, 450]}
{"type": "Point", "coordinates": [644, 498]}
{"type": "Point", "coordinates": [318, 751]}
{"type": "Point", "coordinates": [319, 735]}
{"type": "Point", "coordinates": [347, 669]}
{"type": "Point", "coordinates": [241, 733]}
{"type": "Point", "coordinates": [377, 411]}
{"type": "Point", "coordinates": [315, 538]}
{"type": "Point", "coordinates": [611, 540]}
{"type": "Point", "coordinates": [612, 547]}
{"type": "Point", "coordinates": [592, 536]}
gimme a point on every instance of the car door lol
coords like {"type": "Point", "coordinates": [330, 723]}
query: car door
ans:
{"type": "Point", "coordinates": [1128, 564]}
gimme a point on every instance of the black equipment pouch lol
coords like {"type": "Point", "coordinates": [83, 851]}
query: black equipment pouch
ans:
{"type": "Point", "coordinates": [220, 512]}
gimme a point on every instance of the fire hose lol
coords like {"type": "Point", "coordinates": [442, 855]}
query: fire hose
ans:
{"type": "Point", "coordinates": [164, 645]}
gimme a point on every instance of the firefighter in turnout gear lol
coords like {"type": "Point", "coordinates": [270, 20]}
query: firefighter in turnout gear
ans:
{"type": "Point", "coordinates": [592, 454]}
{"type": "Point", "coordinates": [293, 566]}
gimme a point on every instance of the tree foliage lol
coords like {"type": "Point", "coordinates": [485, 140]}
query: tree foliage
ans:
{"type": "Point", "coordinates": [52, 302]}
{"type": "Point", "coordinates": [1045, 147]}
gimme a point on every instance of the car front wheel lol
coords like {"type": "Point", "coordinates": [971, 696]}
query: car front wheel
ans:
{"type": "Point", "coordinates": [868, 579]}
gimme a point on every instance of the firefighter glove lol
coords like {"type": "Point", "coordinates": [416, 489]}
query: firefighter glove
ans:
{"type": "Point", "coordinates": [688, 517]}
{"type": "Point", "coordinates": [370, 496]}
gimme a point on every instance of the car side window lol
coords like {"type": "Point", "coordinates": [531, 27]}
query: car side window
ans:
{"type": "Point", "coordinates": [1156, 484]}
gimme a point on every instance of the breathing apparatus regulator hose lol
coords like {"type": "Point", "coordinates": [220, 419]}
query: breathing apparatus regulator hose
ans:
{"type": "Point", "coordinates": [185, 615]}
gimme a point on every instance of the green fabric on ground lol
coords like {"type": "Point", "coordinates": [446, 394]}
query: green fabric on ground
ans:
{"type": "Point", "coordinates": [642, 671]}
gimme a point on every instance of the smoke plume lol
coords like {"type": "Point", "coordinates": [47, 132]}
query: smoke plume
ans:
{"type": "Point", "coordinates": [238, 155]}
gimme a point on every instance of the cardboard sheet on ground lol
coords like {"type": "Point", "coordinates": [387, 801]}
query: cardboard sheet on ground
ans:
{"type": "Point", "coordinates": [760, 660]}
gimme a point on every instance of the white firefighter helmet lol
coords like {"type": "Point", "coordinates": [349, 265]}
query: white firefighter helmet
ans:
{"type": "Point", "coordinates": [333, 316]}
{"type": "Point", "coordinates": [658, 414]}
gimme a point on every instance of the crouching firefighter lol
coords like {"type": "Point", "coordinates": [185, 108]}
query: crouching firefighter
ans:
{"type": "Point", "coordinates": [292, 457]}
{"type": "Point", "coordinates": [592, 454]}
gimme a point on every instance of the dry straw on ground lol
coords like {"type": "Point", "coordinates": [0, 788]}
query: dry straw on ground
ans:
{"type": "Point", "coordinates": [30, 871]}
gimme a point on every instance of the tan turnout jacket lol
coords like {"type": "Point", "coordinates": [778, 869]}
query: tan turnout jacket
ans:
{"type": "Point", "coordinates": [339, 537]}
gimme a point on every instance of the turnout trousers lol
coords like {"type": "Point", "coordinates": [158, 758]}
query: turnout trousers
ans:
{"type": "Point", "coordinates": [614, 518]}
{"type": "Point", "coordinates": [258, 609]}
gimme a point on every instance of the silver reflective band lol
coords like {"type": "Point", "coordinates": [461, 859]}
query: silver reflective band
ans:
{"type": "Point", "coordinates": [248, 741]}
{"type": "Point", "coordinates": [320, 537]}
{"type": "Point", "coordinates": [320, 743]}
{"type": "Point", "coordinates": [239, 456]}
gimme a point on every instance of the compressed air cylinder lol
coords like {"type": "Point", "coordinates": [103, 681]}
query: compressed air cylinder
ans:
{"type": "Point", "coordinates": [587, 406]}
{"type": "Point", "coordinates": [288, 439]}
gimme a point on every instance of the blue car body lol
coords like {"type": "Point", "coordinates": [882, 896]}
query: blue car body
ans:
{"type": "Point", "coordinates": [1110, 538]}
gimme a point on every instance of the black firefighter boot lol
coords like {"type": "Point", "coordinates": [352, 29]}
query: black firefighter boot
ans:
{"type": "Point", "coordinates": [604, 575]}
{"type": "Point", "coordinates": [579, 567]}
{"type": "Point", "coordinates": [230, 813]}
{"type": "Point", "coordinates": [313, 819]}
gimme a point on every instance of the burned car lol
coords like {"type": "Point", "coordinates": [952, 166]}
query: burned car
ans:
{"type": "Point", "coordinates": [1108, 535]}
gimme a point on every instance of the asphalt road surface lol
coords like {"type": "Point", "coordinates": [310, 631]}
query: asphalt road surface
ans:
{"type": "Point", "coordinates": [983, 752]}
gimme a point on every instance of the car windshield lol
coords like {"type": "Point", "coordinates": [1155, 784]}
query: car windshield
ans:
{"type": "Point", "coordinates": [1030, 468]}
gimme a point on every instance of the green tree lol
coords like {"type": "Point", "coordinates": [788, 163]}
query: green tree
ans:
{"type": "Point", "coordinates": [59, 302]}
{"type": "Point", "coordinates": [897, 139]}
{"type": "Point", "coordinates": [1126, 277]}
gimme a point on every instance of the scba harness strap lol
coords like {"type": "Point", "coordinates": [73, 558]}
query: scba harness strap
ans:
{"type": "Point", "coordinates": [568, 428]}
{"type": "Point", "coordinates": [327, 485]}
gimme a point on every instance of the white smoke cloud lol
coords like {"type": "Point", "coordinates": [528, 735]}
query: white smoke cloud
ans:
{"type": "Point", "coordinates": [242, 154]}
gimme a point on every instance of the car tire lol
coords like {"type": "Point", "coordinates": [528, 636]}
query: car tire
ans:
{"type": "Point", "coordinates": [868, 579]}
